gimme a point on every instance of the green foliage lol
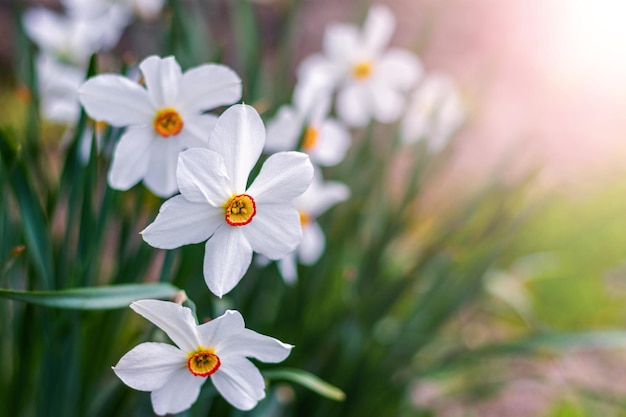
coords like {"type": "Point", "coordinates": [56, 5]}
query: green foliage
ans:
{"type": "Point", "coordinates": [380, 310]}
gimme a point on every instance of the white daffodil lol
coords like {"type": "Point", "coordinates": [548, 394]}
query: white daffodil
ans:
{"type": "Point", "coordinates": [318, 198]}
{"type": "Point", "coordinates": [164, 118]}
{"type": "Point", "coordinates": [434, 113]}
{"type": "Point", "coordinates": [370, 80]}
{"type": "Point", "coordinates": [215, 204]}
{"type": "Point", "coordinates": [71, 39]}
{"type": "Point", "coordinates": [326, 140]}
{"type": "Point", "coordinates": [218, 348]}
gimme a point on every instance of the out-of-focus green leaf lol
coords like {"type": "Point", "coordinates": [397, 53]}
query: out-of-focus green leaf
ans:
{"type": "Point", "coordinates": [34, 222]}
{"type": "Point", "coordinates": [307, 380]}
{"type": "Point", "coordinates": [93, 298]}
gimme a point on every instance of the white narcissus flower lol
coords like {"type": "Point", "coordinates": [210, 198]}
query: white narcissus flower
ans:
{"type": "Point", "coordinates": [164, 118]}
{"type": "Point", "coordinates": [318, 198]}
{"type": "Point", "coordinates": [217, 349]}
{"type": "Point", "coordinates": [215, 203]}
{"type": "Point", "coordinates": [371, 81]}
{"type": "Point", "coordinates": [326, 140]}
{"type": "Point", "coordinates": [434, 113]}
{"type": "Point", "coordinates": [71, 38]}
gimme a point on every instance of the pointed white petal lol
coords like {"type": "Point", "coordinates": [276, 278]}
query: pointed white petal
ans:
{"type": "Point", "coordinates": [116, 100]}
{"type": "Point", "coordinates": [202, 177]}
{"type": "Point", "coordinates": [178, 394]}
{"type": "Point", "coordinates": [353, 105]}
{"type": "Point", "coordinates": [283, 131]}
{"type": "Point", "coordinates": [341, 43]}
{"type": "Point", "coordinates": [284, 176]}
{"type": "Point", "coordinates": [387, 104]}
{"type": "Point", "coordinates": [240, 383]}
{"type": "Point", "coordinates": [209, 86]}
{"type": "Point", "coordinates": [160, 177]}
{"type": "Point", "coordinates": [181, 222]}
{"type": "Point", "coordinates": [163, 77]}
{"type": "Point", "coordinates": [321, 196]}
{"type": "Point", "coordinates": [226, 259]}
{"type": "Point", "coordinates": [312, 97]}
{"type": "Point", "coordinates": [378, 28]}
{"type": "Point", "coordinates": [215, 331]}
{"type": "Point", "coordinates": [175, 320]}
{"type": "Point", "coordinates": [149, 366]}
{"type": "Point", "coordinates": [275, 230]}
{"type": "Point", "coordinates": [239, 136]}
{"type": "Point", "coordinates": [196, 130]}
{"type": "Point", "coordinates": [317, 71]}
{"type": "Point", "coordinates": [313, 244]}
{"type": "Point", "coordinates": [131, 158]}
{"type": "Point", "coordinates": [399, 69]}
{"type": "Point", "coordinates": [288, 268]}
{"type": "Point", "coordinates": [45, 28]}
{"type": "Point", "coordinates": [248, 343]}
{"type": "Point", "coordinates": [332, 144]}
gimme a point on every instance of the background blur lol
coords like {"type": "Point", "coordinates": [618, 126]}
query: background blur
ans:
{"type": "Point", "coordinates": [544, 85]}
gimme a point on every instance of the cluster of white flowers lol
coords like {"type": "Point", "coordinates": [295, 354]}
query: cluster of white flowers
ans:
{"type": "Point", "coordinates": [174, 146]}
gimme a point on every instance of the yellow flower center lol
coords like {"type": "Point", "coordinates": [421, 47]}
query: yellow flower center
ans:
{"type": "Point", "coordinates": [240, 210]}
{"type": "Point", "coordinates": [203, 363]}
{"type": "Point", "coordinates": [310, 138]}
{"type": "Point", "coordinates": [168, 122]}
{"type": "Point", "coordinates": [304, 218]}
{"type": "Point", "coordinates": [362, 70]}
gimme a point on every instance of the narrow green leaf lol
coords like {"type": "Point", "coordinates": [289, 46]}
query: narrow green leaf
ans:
{"type": "Point", "coordinates": [93, 298]}
{"type": "Point", "coordinates": [34, 220]}
{"type": "Point", "coordinates": [307, 380]}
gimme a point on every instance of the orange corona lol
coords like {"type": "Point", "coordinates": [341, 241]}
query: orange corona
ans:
{"type": "Point", "coordinates": [240, 210]}
{"type": "Point", "coordinates": [168, 122]}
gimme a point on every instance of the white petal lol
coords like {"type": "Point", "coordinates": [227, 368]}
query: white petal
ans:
{"type": "Point", "coordinates": [116, 100]}
{"type": "Point", "coordinates": [131, 158]}
{"type": "Point", "coordinates": [284, 176]}
{"type": "Point", "coordinates": [312, 97]}
{"type": "Point", "coordinates": [175, 320]}
{"type": "Point", "coordinates": [181, 222]}
{"type": "Point", "coordinates": [353, 105]}
{"type": "Point", "coordinates": [178, 394]}
{"type": "Point", "coordinates": [226, 259]}
{"type": "Point", "coordinates": [149, 366]}
{"type": "Point", "coordinates": [209, 86]}
{"type": "Point", "coordinates": [341, 42]}
{"type": "Point", "coordinates": [332, 144]}
{"type": "Point", "coordinates": [238, 136]}
{"type": "Point", "coordinates": [378, 28]}
{"type": "Point", "coordinates": [202, 177]}
{"type": "Point", "coordinates": [197, 130]}
{"type": "Point", "coordinates": [399, 69]}
{"type": "Point", "coordinates": [388, 104]}
{"type": "Point", "coordinates": [160, 177]}
{"type": "Point", "coordinates": [163, 77]}
{"type": "Point", "coordinates": [283, 131]}
{"type": "Point", "coordinates": [321, 196]}
{"type": "Point", "coordinates": [45, 28]}
{"type": "Point", "coordinates": [317, 71]}
{"type": "Point", "coordinates": [240, 383]}
{"type": "Point", "coordinates": [288, 268]}
{"type": "Point", "coordinates": [248, 343]}
{"type": "Point", "coordinates": [221, 328]}
{"type": "Point", "coordinates": [275, 230]}
{"type": "Point", "coordinates": [313, 244]}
